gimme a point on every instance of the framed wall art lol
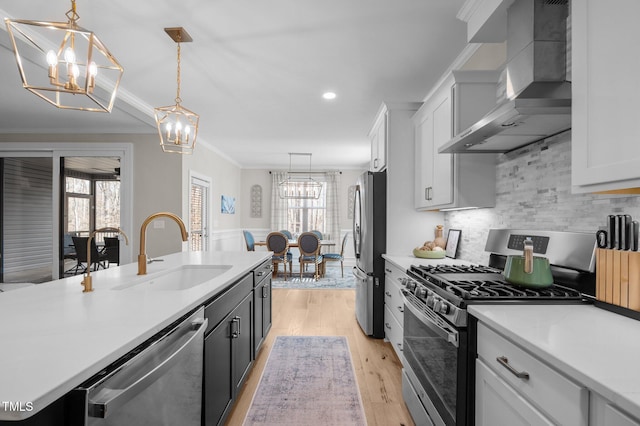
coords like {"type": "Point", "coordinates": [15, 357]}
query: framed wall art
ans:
{"type": "Point", "coordinates": [228, 205]}
{"type": "Point", "coordinates": [453, 238]}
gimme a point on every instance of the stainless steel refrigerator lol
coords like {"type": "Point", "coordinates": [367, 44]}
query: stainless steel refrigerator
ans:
{"type": "Point", "coordinates": [370, 240]}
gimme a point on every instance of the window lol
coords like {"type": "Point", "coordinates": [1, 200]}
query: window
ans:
{"type": "Point", "coordinates": [199, 214]}
{"type": "Point", "coordinates": [78, 205]}
{"type": "Point", "coordinates": [107, 203]}
{"type": "Point", "coordinates": [307, 214]}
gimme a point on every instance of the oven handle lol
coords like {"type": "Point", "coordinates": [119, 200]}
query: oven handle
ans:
{"type": "Point", "coordinates": [442, 330]}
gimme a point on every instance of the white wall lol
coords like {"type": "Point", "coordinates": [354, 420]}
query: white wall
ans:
{"type": "Point", "coordinates": [226, 178]}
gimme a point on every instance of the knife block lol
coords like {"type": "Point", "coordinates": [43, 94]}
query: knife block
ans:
{"type": "Point", "coordinates": [618, 278]}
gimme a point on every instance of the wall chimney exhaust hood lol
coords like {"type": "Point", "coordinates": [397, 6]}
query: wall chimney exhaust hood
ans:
{"type": "Point", "coordinates": [538, 96]}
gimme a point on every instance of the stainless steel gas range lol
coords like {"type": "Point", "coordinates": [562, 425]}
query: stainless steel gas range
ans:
{"type": "Point", "coordinates": [439, 342]}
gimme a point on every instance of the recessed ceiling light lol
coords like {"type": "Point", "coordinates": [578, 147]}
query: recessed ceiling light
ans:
{"type": "Point", "coordinates": [329, 96]}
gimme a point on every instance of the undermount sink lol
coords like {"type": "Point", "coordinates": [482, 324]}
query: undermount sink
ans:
{"type": "Point", "coordinates": [183, 278]}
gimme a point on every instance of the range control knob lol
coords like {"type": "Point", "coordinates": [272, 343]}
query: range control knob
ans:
{"type": "Point", "coordinates": [421, 292]}
{"type": "Point", "coordinates": [411, 285]}
{"type": "Point", "coordinates": [441, 307]}
{"type": "Point", "coordinates": [431, 300]}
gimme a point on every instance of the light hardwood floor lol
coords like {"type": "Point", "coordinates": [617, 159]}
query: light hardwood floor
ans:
{"type": "Point", "coordinates": [329, 313]}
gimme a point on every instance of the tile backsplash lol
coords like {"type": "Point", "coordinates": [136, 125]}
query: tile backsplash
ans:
{"type": "Point", "coordinates": [533, 191]}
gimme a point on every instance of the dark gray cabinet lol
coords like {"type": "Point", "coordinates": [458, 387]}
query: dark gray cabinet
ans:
{"type": "Point", "coordinates": [261, 304]}
{"type": "Point", "coordinates": [228, 349]}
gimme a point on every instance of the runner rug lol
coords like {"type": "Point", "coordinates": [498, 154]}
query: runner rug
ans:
{"type": "Point", "coordinates": [308, 380]}
{"type": "Point", "coordinates": [333, 279]}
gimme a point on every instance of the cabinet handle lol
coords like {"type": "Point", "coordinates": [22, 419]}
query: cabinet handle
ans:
{"type": "Point", "coordinates": [388, 270]}
{"type": "Point", "coordinates": [265, 292]}
{"type": "Point", "coordinates": [387, 293]}
{"type": "Point", "coordinates": [504, 361]}
{"type": "Point", "coordinates": [426, 193]}
{"type": "Point", "coordinates": [400, 346]}
{"type": "Point", "coordinates": [260, 273]}
{"type": "Point", "coordinates": [235, 333]}
{"type": "Point", "coordinates": [375, 163]}
{"type": "Point", "coordinates": [386, 324]}
{"type": "Point", "coordinates": [401, 309]}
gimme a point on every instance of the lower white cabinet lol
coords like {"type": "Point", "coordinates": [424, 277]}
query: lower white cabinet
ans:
{"type": "Point", "coordinates": [512, 382]}
{"type": "Point", "coordinates": [497, 403]}
{"type": "Point", "coordinates": [393, 306]}
{"type": "Point", "coordinates": [604, 413]}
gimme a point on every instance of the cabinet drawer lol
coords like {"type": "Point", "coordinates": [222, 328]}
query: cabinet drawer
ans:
{"type": "Point", "coordinates": [221, 305]}
{"type": "Point", "coordinates": [394, 274]}
{"type": "Point", "coordinates": [393, 331]}
{"type": "Point", "coordinates": [393, 298]}
{"type": "Point", "coordinates": [560, 398]}
{"type": "Point", "coordinates": [262, 272]}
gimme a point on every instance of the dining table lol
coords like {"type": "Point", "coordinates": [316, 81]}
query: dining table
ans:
{"type": "Point", "coordinates": [294, 243]}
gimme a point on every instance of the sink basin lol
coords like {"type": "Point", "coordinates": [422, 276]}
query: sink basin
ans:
{"type": "Point", "coordinates": [183, 278]}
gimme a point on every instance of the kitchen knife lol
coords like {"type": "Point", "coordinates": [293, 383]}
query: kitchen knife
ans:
{"type": "Point", "coordinates": [611, 230]}
{"type": "Point", "coordinates": [621, 234]}
{"type": "Point", "coordinates": [634, 235]}
{"type": "Point", "coordinates": [627, 231]}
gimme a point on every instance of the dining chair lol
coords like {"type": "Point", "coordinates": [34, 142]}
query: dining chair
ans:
{"type": "Point", "coordinates": [331, 257]}
{"type": "Point", "coordinates": [318, 233]}
{"type": "Point", "coordinates": [288, 234]}
{"type": "Point", "coordinates": [97, 259]}
{"type": "Point", "coordinates": [112, 249]}
{"type": "Point", "coordinates": [278, 243]}
{"type": "Point", "coordinates": [309, 245]}
{"type": "Point", "coordinates": [249, 241]}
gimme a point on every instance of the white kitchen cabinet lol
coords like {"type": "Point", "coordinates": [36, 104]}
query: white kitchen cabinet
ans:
{"type": "Point", "coordinates": [499, 404]}
{"type": "Point", "coordinates": [605, 107]}
{"type": "Point", "coordinates": [512, 381]}
{"type": "Point", "coordinates": [378, 138]}
{"type": "Point", "coordinates": [394, 306]}
{"type": "Point", "coordinates": [450, 181]}
{"type": "Point", "coordinates": [604, 413]}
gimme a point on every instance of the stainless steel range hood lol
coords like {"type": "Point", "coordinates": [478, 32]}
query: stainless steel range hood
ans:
{"type": "Point", "coordinates": [537, 101]}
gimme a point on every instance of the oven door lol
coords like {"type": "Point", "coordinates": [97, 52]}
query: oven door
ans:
{"type": "Point", "coordinates": [436, 353]}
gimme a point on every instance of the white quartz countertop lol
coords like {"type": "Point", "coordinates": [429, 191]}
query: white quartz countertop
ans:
{"type": "Point", "coordinates": [597, 348]}
{"type": "Point", "coordinates": [405, 262]}
{"type": "Point", "coordinates": [54, 336]}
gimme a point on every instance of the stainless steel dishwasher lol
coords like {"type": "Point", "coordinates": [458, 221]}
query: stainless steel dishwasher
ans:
{"type": "Point", "coordinates": [158, 383]}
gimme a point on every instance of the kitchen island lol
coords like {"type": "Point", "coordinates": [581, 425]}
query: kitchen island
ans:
{"type": "Point", "coordinates": [54, 336]}
{"type": "Point", "coordinates": [597, 350]}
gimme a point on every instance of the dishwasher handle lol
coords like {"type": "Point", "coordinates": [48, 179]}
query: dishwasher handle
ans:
{"type": "Point", "coordinates": [108, 399]}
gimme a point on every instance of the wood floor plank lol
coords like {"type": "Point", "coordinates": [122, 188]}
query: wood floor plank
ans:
{"type": "Point", "coordinates": [331, 313]}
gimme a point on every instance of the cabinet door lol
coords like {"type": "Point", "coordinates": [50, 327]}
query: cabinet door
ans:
{"type": "Point", "coordinates": [602, 412]}
{"type": "Point", "coordinates": [378, 138]}
{"type": "Point", "coordinates": [424, 160]}
{"type": "Point", "coordinates": [242, 342]}
{"type": "Point", "coordinates": [262, 313]}
{"type": "Point", "coordinates": [218, 389]}
{"type": "Point", "coordinates": [605, 107]}
{"type": "Point", "coordinates": [497, 403]}
{"type": "Point", "coordinates": [442, 163]}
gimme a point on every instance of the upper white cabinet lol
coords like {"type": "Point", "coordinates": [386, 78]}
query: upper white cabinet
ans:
{"type": "Point", "coordinates": [605, 108]}
{"type": "Point", "coordinates": [378, 138]}
{"type": "Point", "coordinates": [454, 180]}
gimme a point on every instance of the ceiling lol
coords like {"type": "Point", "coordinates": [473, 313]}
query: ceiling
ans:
{"type": "Point", "coordinates": [255, 71]}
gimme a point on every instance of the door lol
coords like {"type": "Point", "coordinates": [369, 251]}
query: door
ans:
{"type": "Point", "coordinates": [199, 213]}
{"type": "Point", "coordinates": [363, 223]}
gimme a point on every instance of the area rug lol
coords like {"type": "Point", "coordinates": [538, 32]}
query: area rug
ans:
{"type": "Point", "coordinates": [308, 380]}
{"type": "Point", "coordinates": [331, 280]}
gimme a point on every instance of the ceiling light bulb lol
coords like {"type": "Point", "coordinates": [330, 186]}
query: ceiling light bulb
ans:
{"type": "Point", "coordinates": [52, 58]}
{"type": "Point", "coordinates": [69, 55]}
{"type": "Point", "coordinates": [329, 95]}
{"type": "Point", "coordinates": [178, 126]}
{"type": "Point", "coordinates": [75, 71]}
{"type": "Point", "coordinates": [93, 69]}
{"type": "Point", "coordinates": [187, 130]}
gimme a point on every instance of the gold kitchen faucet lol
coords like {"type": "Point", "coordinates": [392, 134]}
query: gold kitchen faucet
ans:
{"type": "Point", "coordinates": [142, 257]}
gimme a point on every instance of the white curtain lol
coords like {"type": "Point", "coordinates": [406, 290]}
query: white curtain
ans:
{"type": "Point", "coordinates": [332, 219]}
{"type": "Point", "coordinates": [279, 206]}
